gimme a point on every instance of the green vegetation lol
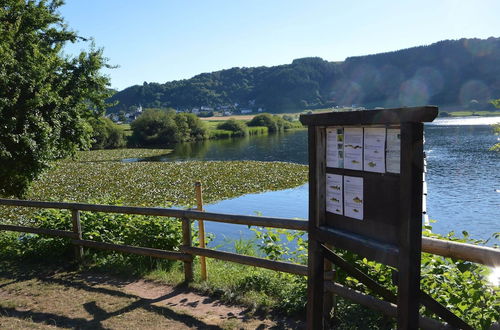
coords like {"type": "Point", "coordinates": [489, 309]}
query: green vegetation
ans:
{"type": "Point", "coordinates": [238, 128]}
{"type": "Point", "coordinates": [390, 79]}
{"type": "Point", "coordinates": [496, 127]}
{"type": "Point", "coordinates": [46, 96]}
{"type": "Point", "coordinates": [469, 113]}
{"type": "Point", "coordinates": [99, 176]}
{"type": "Point", "coordinates": [106, 134]}
{"type": "Point", "coordinates": [157, 127]}
{"type": "Point", "coordinates": [274, 123]}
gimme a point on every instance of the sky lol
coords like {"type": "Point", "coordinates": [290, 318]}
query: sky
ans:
{"type": "Point", "coordinates": [165, 40]}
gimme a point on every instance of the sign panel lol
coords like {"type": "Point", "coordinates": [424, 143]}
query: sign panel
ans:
{"type": "Point", "coordinates": [374, 149]}
{"type": "Point", "coordinates": [353, 197]}
{"type": "Point", "coordinates": [335, 147]}
{"type": "Point", "coordinates": [334, 194]}
{"type": "Point", "coordinates": [393, 156]}
{"type": "Point", "coordinates": [353, 148]}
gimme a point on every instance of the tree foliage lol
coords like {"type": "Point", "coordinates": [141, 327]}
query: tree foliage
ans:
{"type": "Point", "coordinates": [106, 134]}
{"type": "Point", "coordinates": [238, 127]}
{"type": "Point", "coordinates": [157, 127]}
{"type": "Point", "coordinates": [45, 97]}
{"type": "Point", "coordinates": [450, 72]}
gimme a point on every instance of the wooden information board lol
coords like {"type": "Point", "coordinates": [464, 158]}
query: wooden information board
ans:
{"type": "Point", "coordinates": [365, 195]}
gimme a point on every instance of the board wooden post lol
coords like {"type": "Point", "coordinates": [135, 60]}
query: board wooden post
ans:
{"type": "Point", "coordinates": [201, 228]}
{"type": "Point", "coordinates": [77, 229]}
{"type": "Point", "coordinates": [412, 163]}
{"type": "Point", "coordinates": [187, 242]}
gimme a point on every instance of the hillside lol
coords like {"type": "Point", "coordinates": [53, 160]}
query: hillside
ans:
{"type": "Point", "coordinates": [450, 73]}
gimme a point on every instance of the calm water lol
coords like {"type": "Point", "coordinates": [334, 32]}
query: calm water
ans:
{"type": "Point", "coordinates": [463, 176]}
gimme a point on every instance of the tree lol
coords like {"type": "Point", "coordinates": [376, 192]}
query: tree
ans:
{"type": "Point", "coordinates": [106, 134]}
{"type": "Point", "coordinates": [45, 96]}
{"type": "Point", "coordinates": [236, 126]}
{"type": "Point", "coordinates": [496, 127]}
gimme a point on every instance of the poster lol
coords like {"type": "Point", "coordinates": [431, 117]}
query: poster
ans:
{"type": "Point", "coordinates": [334, 194]}
{"type": "Point", "coordinates": [353, 197]}
{"type": "Point", "coordinates": [335, 147]}
{"type": "Point", "coordinates": [353, 148]}
{"type": "Point", "coordinates": [374, 149]}
{"type": "Point", "coordinates": [393, 151]}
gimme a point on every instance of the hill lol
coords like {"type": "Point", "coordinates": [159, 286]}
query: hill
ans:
{"type": "Point", "coordinates": [463, 73]}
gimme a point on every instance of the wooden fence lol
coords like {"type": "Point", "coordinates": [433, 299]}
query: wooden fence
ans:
{"type": "Point", "coordinates": [468, 252]}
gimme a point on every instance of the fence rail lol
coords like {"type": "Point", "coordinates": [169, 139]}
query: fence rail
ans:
{"type": "Point", "coordinates": [468, 252]}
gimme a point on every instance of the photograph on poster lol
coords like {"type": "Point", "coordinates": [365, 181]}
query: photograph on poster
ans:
{"type": "Point", "coordinates": [353, 197]}
{"type": "Point", "coordinates": [353, 148]}
{"type": "Point", "coordinates": [374, 149]}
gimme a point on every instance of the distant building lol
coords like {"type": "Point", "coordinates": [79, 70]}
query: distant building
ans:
{"type": "Point", "coordinates": [245, 111]}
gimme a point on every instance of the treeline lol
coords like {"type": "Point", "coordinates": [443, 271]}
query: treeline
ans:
{"type": "Point", "coordinates": [451, 72]}
{"type": "Point", "coordinates": [165, 127]}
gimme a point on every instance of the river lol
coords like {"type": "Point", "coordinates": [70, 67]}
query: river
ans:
{"type": "Point", "coordinates": [463, 176]}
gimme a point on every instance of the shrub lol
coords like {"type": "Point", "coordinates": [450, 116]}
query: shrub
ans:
{"type": "Point", "coordinates": [236, 126]}
{"type": "Point", "coordinates": [266, 120]}
{"type": "Point", "coordinates": [106, 134]}
{"type": "Point", "coordinates": [158, 127]}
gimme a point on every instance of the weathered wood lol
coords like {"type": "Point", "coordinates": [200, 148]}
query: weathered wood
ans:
{"type": "Point", "coordinates": [359, 275]}
{"type": "Point", "coordinates": [468, 252]}
{"type": "Point", "coordinates": [201, 229]}
{"type": "Point", "coordinates": [478, 254]}
{"type": "Point", "coordinates": [164, 212]}
{"type": "Point", "coordinates": [42, 231]}
{"type": "Point", "coordinates": [369, 248]}
{"type": "Point", "coordinates": [371, 117]}
{"type": "Point", "coordinates": [384, 307]}
{"type": "Point", "coordinates": [441, 311]}
{"type": "Point", "coordinates": [410, 237]}
{"type": "Point", "coordinates": [77, 229]}
{"type": "Point", "coordinates": [148, 252]}
{"type": "Point", "coordinates": [315, 268]}
{"type": "Point", "coordinates": [186, 243]}
{"type": "Point", "coordinates": [248, 260]}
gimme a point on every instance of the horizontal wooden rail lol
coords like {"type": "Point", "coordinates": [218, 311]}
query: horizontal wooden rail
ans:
{"type": "Point", "coordinates": [280, 266]}
{"type": "Point", "coordinates": [44, 231]}
{"type": "Point", "coordinates": [164, 212]}
{"type": "Point", "coordinates": [149, 252]}
{"type": "Point", "coordinates": [385, 307]}
{"type": "Point", "coordinates": [468, 252]}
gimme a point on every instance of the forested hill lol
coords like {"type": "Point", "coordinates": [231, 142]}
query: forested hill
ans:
{"type": "Point", "coordinates": [450, 72]}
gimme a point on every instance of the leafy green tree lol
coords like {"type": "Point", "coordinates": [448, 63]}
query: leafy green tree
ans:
{"type": "Point", "coordinates": [106, 134]}
{"type": "Point", "coordinates": [45, 97]}
{"type": "Point", "coordinates": [159, 127]}
{"type": "Point", "coordinates": [496, 127]}
{"type": "Point", "coordinates": [266, 120]}
{"type": "Point", "coordinates": [236, 126]}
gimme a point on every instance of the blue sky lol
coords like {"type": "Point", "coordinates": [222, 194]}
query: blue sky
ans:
{"type": "Point", "coordinates": [163, 40]}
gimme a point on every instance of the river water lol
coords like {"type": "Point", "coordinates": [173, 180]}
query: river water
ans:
{"type": "Point", "coordinates": [463, 176]}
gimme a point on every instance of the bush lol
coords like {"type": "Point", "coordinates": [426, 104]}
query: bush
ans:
{"type": "Point", "coordinates": [266, 120]}
{"type": "Point", "coordinates": [158, 127]}
{"type": "Point", "coordinates": [135, 230]}
{"type": "Point", "coordinates": [236, 126]}
{"type": "Point", "coordinates": [106, 134]}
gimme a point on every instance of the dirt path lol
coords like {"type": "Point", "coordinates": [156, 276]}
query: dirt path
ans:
{"type": "Point", "coordinates": [62, 299]}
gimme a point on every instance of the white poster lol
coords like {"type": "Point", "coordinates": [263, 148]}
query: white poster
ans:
{"type": "Point", "coordinates": [393, 152]}
{"type": "Point", "coordinates": [353, 148]}
{"type": "Point", "coordinates": [374, 149]}
{"type": "Point", "coordinates": [334, 193]}
{"type": "Point", "coordinates": [353, 197]}
{"type": "Point", "coordinates": [335, 147]}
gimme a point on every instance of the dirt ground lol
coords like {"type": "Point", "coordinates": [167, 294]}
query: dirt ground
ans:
{"type": "Point", "coordinates": [237, 117]}
{"type": "Point", "coordinates": [42, 299]}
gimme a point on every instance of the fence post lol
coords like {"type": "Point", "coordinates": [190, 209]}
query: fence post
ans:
{"type": "Point", "coordinates": [77, 229]}
{"type": "Point", "coordinates": [201, 228]}
{"type": "Point", "coordinates": [187, 241]}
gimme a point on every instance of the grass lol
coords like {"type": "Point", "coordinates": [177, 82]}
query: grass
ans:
{"type": "Point", "coordinates": [475, 113]}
